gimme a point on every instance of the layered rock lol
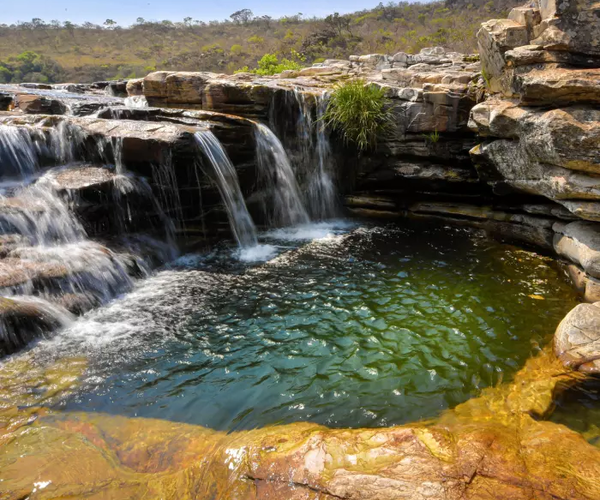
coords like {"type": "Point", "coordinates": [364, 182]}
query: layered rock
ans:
{"type": "Point", "coordinates": [541, 129]}
{"type": "Point", "coordinates": [577, 339]}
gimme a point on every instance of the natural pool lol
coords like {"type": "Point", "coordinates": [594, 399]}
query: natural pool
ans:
{"type": "Point", "coordinates": [363, 326]}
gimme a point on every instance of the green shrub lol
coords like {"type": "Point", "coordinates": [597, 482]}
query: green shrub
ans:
{"type": "Point", "coordinates": [358, 112]}
{"type": "Point", "coordinates": [270, 64]}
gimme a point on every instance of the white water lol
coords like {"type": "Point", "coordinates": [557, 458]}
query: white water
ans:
{"type": "Point", "coordinates": [49, 262]}
{"type": "Point", "coordinates": [275, 171]}
{"type": "Point", "coordinates": [136, 101]}
{"type": "Point", "coordinates": [227, 181]}
{"type": "Point", "coordinates": [18, 152]}
{"type": "Point", "coordinates": [317, 163]}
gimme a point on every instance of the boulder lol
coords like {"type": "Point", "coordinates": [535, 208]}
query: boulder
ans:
{"type": "Point", "coordinates": [580, 243]}
{"type": "Point", "coordinates": [36, 104]}
{"type": "Point", "coordinates": [577, 338]}
{"type": "Point", "coordinates": [24, 319]}
{"type": "Point", "coordinates": [135, 87]}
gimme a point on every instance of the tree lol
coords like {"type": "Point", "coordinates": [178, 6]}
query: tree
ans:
{"type": "Point", "coordinates": [140, 20]}
{"type": "Point", "coordinates": [109, 23]}
{"type": "Point", "coordinates": [338, 23]}
{"type": "Point", "coordinates": [242, 16]}
{"type": "Point", "coordinates": [187, 21]}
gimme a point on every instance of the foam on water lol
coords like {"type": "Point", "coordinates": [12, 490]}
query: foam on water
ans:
{"type": "Point", "coordinates": [307, 232]}
{"type": "Point", "coordinates": [258, 253]}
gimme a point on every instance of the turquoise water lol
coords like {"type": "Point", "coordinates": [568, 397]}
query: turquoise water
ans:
{"type": "Point", "coordinates": [366, 326]}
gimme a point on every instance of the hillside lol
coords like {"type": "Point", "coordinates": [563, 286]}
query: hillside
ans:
{"type": "Point", "coordinates": [61, 51]}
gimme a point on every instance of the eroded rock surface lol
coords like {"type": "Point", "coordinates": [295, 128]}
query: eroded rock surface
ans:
{"type": "Point", "coordinates": [577, 339]}
{"type": "Point", "coordinates": [487, 448]}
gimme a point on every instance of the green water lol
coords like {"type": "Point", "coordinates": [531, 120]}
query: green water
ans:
{"type": "Point", "coordinates": [368, 327]}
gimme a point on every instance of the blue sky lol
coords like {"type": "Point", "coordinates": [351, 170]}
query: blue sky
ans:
{"type": "Point", "coordinates": [127, 11]}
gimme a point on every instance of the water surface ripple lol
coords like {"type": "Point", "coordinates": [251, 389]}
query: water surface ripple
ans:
{"type": "Point", "coordinates": [371, 327]}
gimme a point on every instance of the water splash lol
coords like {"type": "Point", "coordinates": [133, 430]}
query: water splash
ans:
{"type": "Point", "coordinates": [278, 177]}
{"type": "Point", "coordinates": [136, 101]}
{"type": "Point", "coordinates": [227, 181]}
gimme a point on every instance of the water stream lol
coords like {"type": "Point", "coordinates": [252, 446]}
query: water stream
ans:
{"type": "Point", "coordinates": [226, 178]}
{"type": "Point", "coordinates": [276, 172]}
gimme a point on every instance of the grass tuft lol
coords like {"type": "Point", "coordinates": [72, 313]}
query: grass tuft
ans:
{"type": "Point", "coordinates": [359, 112]}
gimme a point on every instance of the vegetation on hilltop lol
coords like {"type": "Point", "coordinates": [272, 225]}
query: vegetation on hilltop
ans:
{"type": "Point", "coordinates": [88, 52]}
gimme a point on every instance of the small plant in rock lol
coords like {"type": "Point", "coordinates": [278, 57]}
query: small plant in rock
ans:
{"type": "Point", "coordinates": [359, 112]}
{"type": "Point", "coordinates": [432, 137]}
{"type": "Point", "coordinates": [486, 77]}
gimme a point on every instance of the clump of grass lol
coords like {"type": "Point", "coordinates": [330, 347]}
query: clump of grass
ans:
{"type": "Point", "coordinates": [432, 137]}
{"type": "Point", "coordinates": [359, 113]}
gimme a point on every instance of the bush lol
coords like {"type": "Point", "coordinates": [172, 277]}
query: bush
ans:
{"type": "Point", "coordinates": [358, 112]}
{"type": "Point", "coordinates": [269, 64]}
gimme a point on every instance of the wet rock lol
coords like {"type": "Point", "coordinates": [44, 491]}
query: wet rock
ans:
{"type": "Point", "coordinates": [35, 104]}
{"type": "Point", "coordinates": [37, 86]}
{"type": "Point", "coordinates": [489, 447]}
{"type": "Point", "coordinates": [6, 101]}
{"type": "Point", "coordinates": [116, 89]}
{"type": "Point", "coordinates": [580, 243]}
{"type": "Point", "coordinates": [577, 338]}
{"type": "Point", "coordinates": [24, 319]}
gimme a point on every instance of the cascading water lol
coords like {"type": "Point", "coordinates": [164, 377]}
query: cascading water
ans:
{"type": "Point", "coordinates": [226, 178]}
{"type": "Point", "coordinates": [276, 173]}
{"type": "Point", "coordinates": [18, 152]}
{"type": "Point", "coordinates": [46, 252]}
{"type": "Point", "coordinates": [316, 161]}
{"type": "Point", "coordinates": [136, 101]}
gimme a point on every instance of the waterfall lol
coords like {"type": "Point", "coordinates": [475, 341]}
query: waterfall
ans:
{"type": "Point", "coordinates": [47, 253]}
{"type": "Point", "coordinates": [18, 152]}
{"type": "Point", "coordinates": [277, 175]}
{"type": "Point", "coordinates": [228, 184]}
{"type": "Point", "coordinates": [316, 159]}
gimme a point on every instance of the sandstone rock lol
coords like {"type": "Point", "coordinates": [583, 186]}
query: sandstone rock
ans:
{"type": "Point", "coordinates": [289, 73]}
{"type": "Point", "coordinates": [504, 163]}
{"type": "Point", "coordinates": [135, 87]}
{"type": "Point", "coordinates": [526, 16]}
{"type": "Point", "coordinates": [37, 86]}
{"type": "Point", "coordinates": [577, 338]}
{"type": "Point", "coordinates": [580, 243]}
{"type": "Point", "coordinates": [322, 70]}
{"type": "Point", "coordinates": [567, 138]}
{"type": "Point", "coordinates": [23, 319]}
{"type": "Point", "coordinates": [588, 286]}
{"type": "Point", "coordinates": [494, 38]}
{"type": "Point", "coordinates": [372, 60]}
{"type": "Point", "coordinates": [35, 104]}
{"type": "Point", "coordinates": [558, 86]}
{"type": "Point", "coordinates": [571, 25]}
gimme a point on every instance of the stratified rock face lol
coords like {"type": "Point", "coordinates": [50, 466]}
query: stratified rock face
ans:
{"type": "Point", "coordinates": [577, 339]}
{"type": "Point", "coordinates": [542, 126]}
{"type": "Point", "coordinates": [547, 54]}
